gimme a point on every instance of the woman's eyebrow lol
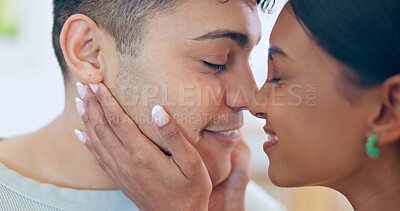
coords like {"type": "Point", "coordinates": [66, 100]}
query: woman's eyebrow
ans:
{"type": "Point", "coordinates": [276, 50]}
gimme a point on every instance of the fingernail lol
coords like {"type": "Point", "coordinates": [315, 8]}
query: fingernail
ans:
{"type": "Point", "coordinates": [80, 105]}
{"type": "Point", "coordinates": [160, 117]}
{"type": "Point", "coordinates": [81, 90]}
{"type": "Point", "coordinates": [80, 136]}
{"type": "Point", "coordinates": [94, 87]}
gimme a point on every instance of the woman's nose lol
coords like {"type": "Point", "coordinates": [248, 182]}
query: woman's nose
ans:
{"type": "Point", "coordinates": [261, 115]}
{"type": "Point", "coordinates": [259, 104]}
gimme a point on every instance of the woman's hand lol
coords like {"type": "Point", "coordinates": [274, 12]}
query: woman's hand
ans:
{"type": "Point", "coordinates": [151, 179]}
{"type": "Point", "coordinates": [230, 194]}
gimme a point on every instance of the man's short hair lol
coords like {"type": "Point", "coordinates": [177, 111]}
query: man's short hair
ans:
{"type": "Point", "coordinates": [125, 20]}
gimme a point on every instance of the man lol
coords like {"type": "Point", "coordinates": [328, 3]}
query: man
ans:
{"type": "Point", "coordinates": [189, 56]}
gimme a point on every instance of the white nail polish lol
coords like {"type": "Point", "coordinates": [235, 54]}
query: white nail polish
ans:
{"type": "Point", "coordinates": [160, 117]}
{"type": "Point", "coordinates": [80, 106]}
{"type": "Point", "coordinates": [80, 136]}
{"type": "Point", "coordinates": [81, 90]}
{"type": "Point", "coordinates": [94, 87]}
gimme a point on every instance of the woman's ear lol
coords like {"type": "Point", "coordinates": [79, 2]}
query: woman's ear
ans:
{"type": "Point", "coordinates": [81, 49]}
{"type": "Point", "coordinates": [386, 121]}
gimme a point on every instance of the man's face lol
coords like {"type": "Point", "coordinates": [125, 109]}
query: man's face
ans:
{"type": "Point", "coordinates": [195, 63]}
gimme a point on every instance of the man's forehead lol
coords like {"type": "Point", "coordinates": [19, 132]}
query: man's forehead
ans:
{"type": "Point", "coordinates": [210, 20]}
{"type": "Point", "coordinates": [236, 20]}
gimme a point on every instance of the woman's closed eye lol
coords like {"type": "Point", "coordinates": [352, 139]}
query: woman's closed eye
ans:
{"type": "Point", "coordinates": [274, 80]}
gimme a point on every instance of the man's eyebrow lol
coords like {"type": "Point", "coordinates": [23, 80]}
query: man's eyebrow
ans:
{"type": "Point", "coordinates": [275, 50]}
{"type": "Point", "coordinates": [241, 39]}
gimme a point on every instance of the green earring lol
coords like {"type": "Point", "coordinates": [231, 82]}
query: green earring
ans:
{"type": "Point", "coordinates": [372, 151]}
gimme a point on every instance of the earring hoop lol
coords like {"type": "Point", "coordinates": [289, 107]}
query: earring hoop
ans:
{"type": "Point", "coordinates": [371, 150]}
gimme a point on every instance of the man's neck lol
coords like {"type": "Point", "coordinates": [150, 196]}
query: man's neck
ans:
{"type": "Point", "coordinates": [54, 155]}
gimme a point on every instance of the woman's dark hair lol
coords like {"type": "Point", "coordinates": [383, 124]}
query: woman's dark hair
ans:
{"type": "Point", "coordinates": [362, 34]}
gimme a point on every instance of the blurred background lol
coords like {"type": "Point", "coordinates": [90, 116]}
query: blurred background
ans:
{"type": "Point", "coordinates": [32, 92]}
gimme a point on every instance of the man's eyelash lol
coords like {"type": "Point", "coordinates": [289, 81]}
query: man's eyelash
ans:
{"type": "Point", "coordinates": [215, 67]}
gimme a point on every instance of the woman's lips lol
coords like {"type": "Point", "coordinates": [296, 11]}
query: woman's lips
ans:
{"type": "Point", "coordinates": [231, 137]}
{"type": "Point", "coordinates": [272, 141]}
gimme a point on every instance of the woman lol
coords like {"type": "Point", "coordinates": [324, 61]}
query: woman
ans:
{"type": "Point", "coordinates": [331, 104]}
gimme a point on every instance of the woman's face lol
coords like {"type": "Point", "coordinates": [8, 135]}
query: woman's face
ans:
{"type": "Point", "coordinates": [306, 104]}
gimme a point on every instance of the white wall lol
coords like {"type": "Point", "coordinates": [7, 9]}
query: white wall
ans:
{"type": "Point", "coordinates": [31, 86]}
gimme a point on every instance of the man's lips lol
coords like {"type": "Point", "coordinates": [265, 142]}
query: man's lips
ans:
{"type": "Point", "coordinates": [230, 137]}
{"type": "Point", "coordinates": [225, 133]}
{"type": "Point", "coordinates": [224, 130]}
{"type": "Point", "coordinates": [228, 130]}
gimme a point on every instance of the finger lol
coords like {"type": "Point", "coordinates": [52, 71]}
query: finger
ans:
{"type": "Point", "coordinates": [241, 156]}
{"type": "Point", "coordinates": [121, 123]}
{"type": "Point", "coordinates": [143, 153]}
{"type": "Point", "coordinates": [95, 121]}
{"type": "Point", "coordinates": [84, 137]}
{"type": "Point", "coordinates": [106, 166]}
{"type": "Point", "coordinates": [183, 153]}
{"type": "Point", "coordinates": [242, 152]}
{"type": "Point", "coordinates": [240, 159]}
{"type": "Point", "coordinates": [94, 145]}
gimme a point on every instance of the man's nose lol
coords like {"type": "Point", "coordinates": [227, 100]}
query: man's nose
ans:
{"type": "Point", "coordinates": [241, 92]}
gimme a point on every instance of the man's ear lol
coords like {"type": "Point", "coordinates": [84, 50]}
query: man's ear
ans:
{"type": "Point", "coordinates": [385, 123]}
{"type": "Point", "coordinates": [81, 49]}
